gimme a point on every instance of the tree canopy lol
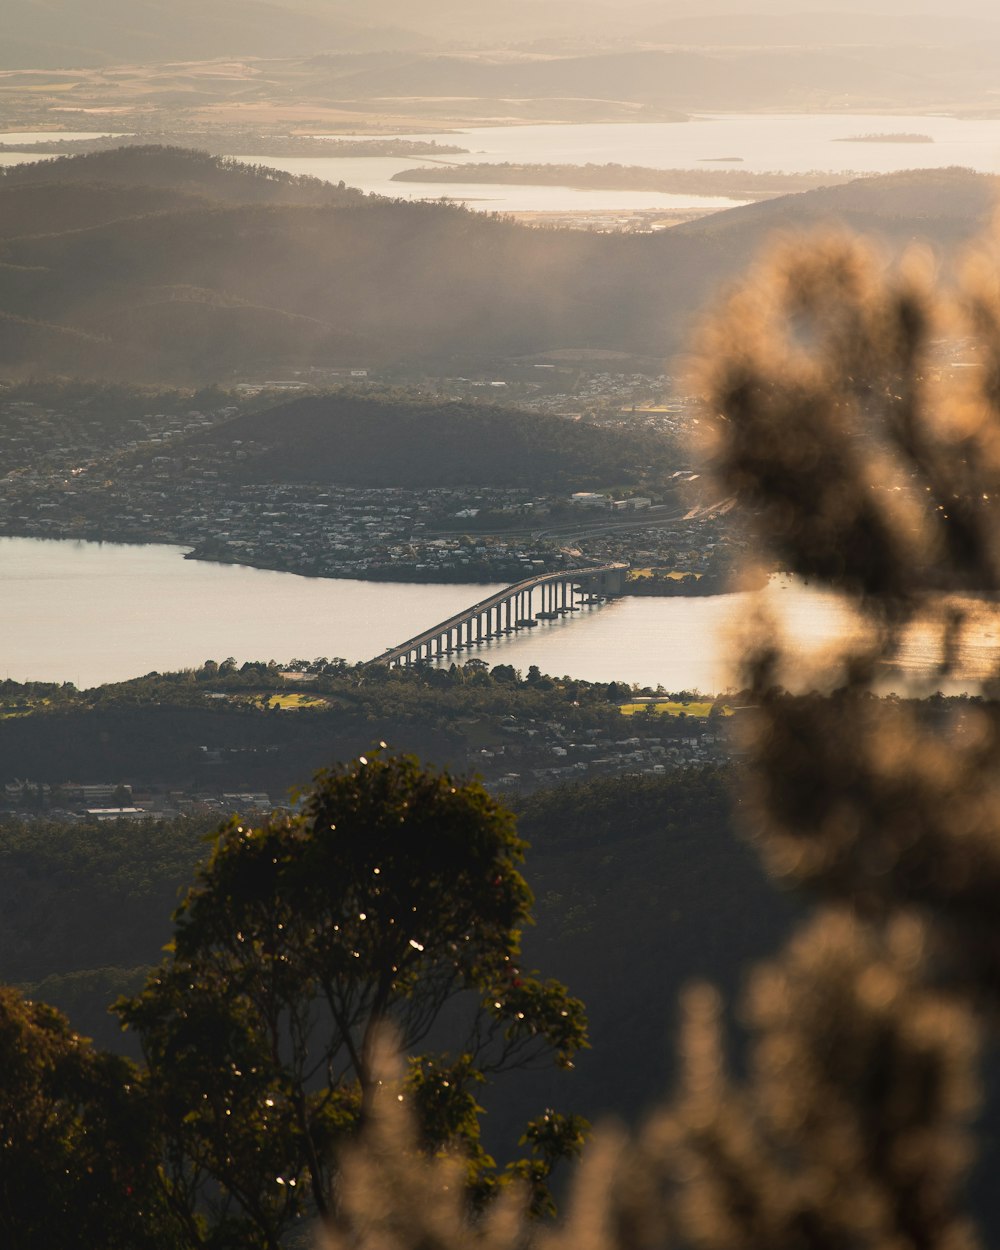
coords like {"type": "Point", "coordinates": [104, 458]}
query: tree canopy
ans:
{"type": "Point", "coordinates": [392, 899]}
{"type": "Point", "coordinates": [78, 1147]}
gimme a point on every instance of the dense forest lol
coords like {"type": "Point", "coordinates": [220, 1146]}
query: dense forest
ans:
{"type": "Point", "coordinates": [240, 270]}
{"type": "Point", "coordinates": [639, 884]}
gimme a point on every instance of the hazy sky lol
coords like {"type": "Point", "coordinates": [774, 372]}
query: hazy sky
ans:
{"type": "Point", "coordinates": [467, 15]}
{"type": "Point", "coordinates": [665, 9]}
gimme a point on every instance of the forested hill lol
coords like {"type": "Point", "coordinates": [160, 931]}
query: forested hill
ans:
{"type": "Point", "coordinates": [940, 205]}
{"type": "Point", "coordinates": [360, 441]}
{"type": "Point", "coordinates": [173, 170]}
{"type": "Point", "coordinates": [176, 266]}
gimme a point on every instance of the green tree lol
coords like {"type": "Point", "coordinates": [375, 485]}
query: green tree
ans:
{"type": "Point", "coordinates": [392, 898]}
{"type": "Point", "coordinates": [78, 1151]}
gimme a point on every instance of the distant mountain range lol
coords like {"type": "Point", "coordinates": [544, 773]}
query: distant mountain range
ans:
{"type": "Point", "coordinates": [157, 264]}
{"type": "Point", "coordinates": [73, 33]}
{"type": "Point", "coordinates": [676, 78]}
{"type": "Point", "coordinates": [612, 60]}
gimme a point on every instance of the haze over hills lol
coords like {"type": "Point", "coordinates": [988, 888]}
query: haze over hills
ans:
{"type": "Point", "coordinates": [830, 29]}
{"type": "Point", "coordinates": [167, 266]}
{"type": "Point", "coordinates": [66, 33]}
{"type": "Point", "coordinates": [668, 79]}
{"type": "Point", "coordinates": [942, 206]}
{"type": "Point", "coordinates": [237, 271]}
{"type": "Point", "coordinates": [667, 56]}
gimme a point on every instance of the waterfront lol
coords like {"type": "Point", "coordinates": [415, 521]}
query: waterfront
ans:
{"type": "Point", "coordinates": [91, 613]}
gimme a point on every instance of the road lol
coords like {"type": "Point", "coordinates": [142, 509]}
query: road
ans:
{"type": "Point", "coordinates": [648, 518]}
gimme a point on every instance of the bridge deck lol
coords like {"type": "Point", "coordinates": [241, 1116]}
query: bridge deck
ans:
{"type": "Point", "coordinates": [509, 592]}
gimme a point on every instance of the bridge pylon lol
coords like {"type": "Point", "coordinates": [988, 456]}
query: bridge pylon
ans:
{"type": "Point", "coordinates": [510, 610]}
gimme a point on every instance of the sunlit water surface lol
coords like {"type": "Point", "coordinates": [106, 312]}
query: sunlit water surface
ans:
{"type": "Point", "coordinates": [795, 143]}
{"type": "Point", "coordinates": [92, 613]}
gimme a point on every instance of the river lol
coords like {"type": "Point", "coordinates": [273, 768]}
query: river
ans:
{"type": "Point", "coordinates": [794, 142]}
{"type": "Point", "coordinates": [92, 613]}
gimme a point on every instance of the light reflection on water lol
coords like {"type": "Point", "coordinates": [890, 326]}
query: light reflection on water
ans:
{"type": "Point", "coordinates": [46, 136]}
{"type": "Point", "coordinates": [374, 174]}
{"type": "Point", "coordinates": [92, 613]}
{"type": "Point", "coordinates": [793, 143]}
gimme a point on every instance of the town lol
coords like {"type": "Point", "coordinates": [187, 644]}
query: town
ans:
{"type": "Point", "coordinates": [69, 473]}
{"type": "Point", "coordinates": [532, 756]}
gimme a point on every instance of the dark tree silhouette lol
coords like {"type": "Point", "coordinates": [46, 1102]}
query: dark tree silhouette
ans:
{"type": "Point", "coordinates": [391, 899]}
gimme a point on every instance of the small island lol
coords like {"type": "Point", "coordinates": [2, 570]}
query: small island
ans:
{"type": "Point", "coordinates": [901, 136]}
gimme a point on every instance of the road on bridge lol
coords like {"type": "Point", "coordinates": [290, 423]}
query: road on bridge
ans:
{"type": "Point", "coordinates": [495, 600]}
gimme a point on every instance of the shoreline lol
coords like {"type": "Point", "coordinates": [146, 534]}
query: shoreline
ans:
{"type": "Point", "coordinates": [683, 590]}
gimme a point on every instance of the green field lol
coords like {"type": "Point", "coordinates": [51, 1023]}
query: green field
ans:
{"type": "Point", "coordinates": [293, 702]}
{"type": "Point", "coordinates": [670, 707]}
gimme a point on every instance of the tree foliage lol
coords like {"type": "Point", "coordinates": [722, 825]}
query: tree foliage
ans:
{"type": "Point", "coordinates": [391, 899]}
{"type": "Point", "coordinates": [78, 1148]}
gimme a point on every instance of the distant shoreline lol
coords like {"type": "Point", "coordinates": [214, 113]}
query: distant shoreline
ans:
{"type": "Point", "coordinates": [735, 184]}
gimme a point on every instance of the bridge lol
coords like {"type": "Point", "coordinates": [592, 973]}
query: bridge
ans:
{"type": "Point", "coordinates": [508, 611]}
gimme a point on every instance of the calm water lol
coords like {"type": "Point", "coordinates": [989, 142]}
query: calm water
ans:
{"type": "Point", "coordinates": [374, 174]}
{"type": "Point", "coordinates": [42, 136]}
{"type": "Point", "coordinates": [795, 143]}
{"type": "Point", "coordinates": [791, 142]}
{"type": "Point", "coordinates": [96, 612]}
{"type": "Point", "coordinates": [92, 613]}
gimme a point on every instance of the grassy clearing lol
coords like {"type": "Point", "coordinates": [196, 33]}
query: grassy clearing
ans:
{"type": "Point", "coordinates": [670, 707]}
{"type": "Point", "coordinates": [292, 702]}
{"type": "Point", "coordinates": [674, 574]}
{"type": "Point", "coordinates": [23, 707]}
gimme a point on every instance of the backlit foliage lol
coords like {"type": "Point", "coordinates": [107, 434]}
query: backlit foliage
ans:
{"type": "Point", "coordinates": [391, 899]}
{"type": "Point", "coordinates": [855, 412]}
